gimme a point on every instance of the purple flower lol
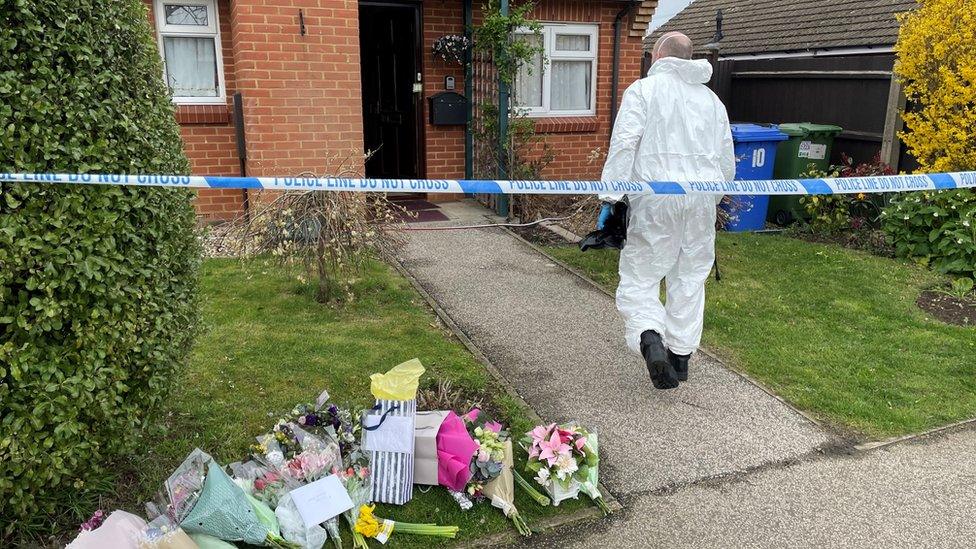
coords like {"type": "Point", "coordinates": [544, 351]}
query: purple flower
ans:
{"type": "Point", "coordinates": [312, 420]}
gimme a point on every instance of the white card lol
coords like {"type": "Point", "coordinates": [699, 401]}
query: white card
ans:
{"type": "Point", "coordinates": [394, 435]}
{"type": "Point", "coordinates": [323, 398]}
{"type": "Point", "coordinates": [321, 500]}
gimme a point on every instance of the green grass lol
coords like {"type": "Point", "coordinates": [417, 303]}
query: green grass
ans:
{"type": "Point", "coordinates": [266, 346]}
{"type": "Point", "coordinates": [834, 331]}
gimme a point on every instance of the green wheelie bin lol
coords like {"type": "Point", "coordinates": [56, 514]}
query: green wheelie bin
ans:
{"type": "Point", "coordinates": [807, 144]}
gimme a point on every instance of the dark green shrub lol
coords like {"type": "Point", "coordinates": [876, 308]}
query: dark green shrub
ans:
{"type": "Point", "coordinates": [937, 228]}
{"type": "Point", "coordinates": [97, 285]}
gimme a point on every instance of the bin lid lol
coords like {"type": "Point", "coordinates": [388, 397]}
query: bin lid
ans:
{"type": "Point", "coordinates": [744, 133]}
{"type": "Point", "coordinates": [803, 129]}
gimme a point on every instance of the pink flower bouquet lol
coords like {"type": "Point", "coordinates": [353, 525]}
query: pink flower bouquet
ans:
{"type": "Point", "coordinates": [565, 461]}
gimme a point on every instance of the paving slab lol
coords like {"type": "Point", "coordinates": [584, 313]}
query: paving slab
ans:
{"type": "Point", "coordinates": [915, 494]}
{"type": "Point", "coordinates": [559, 342]}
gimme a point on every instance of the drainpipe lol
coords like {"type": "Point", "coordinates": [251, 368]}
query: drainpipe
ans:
{"type": "Point", "coordinates": [241, 148]}
{"type": "Point", "coordinates": [614, 80]}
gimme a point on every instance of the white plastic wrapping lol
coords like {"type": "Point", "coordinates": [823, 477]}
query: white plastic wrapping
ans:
{"type": "Point", "coordinates": [670, 127]}
{"type": "Point", "coordinates": [293, 527]}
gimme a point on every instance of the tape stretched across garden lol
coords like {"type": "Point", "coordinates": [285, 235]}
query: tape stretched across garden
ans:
{"type": "Point", "coordinates": [847, 185]}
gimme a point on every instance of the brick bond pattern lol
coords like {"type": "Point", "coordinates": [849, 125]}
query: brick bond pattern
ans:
{"type": "Point", "coordinates": [302, 94]}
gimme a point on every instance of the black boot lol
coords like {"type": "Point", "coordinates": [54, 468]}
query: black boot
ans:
{"type": "Point", "coordinates": [680, 365]}
{"type": "Point", "coordinates": [662, 373]}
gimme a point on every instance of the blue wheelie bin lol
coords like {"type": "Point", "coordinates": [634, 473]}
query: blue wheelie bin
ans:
{"type": "Point", "coordinates": [755, 155]}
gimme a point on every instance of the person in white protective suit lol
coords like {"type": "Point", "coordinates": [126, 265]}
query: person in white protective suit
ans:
{"type": "Point", "coordinates": [670, 127]}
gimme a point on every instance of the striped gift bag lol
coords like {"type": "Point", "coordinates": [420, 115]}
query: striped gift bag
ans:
{"type": "Point", "coordinates": [392, 472]}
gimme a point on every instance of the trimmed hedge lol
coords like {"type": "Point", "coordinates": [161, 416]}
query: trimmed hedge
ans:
{"type": "Point", "coordinates": [98, 285]}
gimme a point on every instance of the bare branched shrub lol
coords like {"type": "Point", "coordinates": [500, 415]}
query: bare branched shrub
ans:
{"type": "Point", "coordinates": [330, 235]}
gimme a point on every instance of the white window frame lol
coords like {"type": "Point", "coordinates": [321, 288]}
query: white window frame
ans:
{"type": "Point", "coordinates": [549, 32]}
{"type": "Point", "coordinates": [212, 30]}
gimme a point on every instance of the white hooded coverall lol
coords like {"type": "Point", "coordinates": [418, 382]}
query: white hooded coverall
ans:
{"type": "Point", "coordinates": [670, 127]}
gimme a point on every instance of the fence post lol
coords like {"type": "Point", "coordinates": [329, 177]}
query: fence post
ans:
{"type": "Point", "coordinates": [502, 205]}
{"type": "Point", "coordinates": [469, 93]}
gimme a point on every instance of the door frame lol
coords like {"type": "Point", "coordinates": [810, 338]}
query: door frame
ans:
{"type": "Point", "coordinates": [418, 98]}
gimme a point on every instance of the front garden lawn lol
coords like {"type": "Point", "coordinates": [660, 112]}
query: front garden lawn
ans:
{"type": "Point", "coordinates": [266, 345]}
{"type": "Point", "coordinates": [834, 331]}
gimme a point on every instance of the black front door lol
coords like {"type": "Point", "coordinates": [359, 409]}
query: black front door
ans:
{"type": "Point", "coordinates": [389, 42]}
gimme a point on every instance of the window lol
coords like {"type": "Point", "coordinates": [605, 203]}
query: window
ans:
{"type": "Point", "coordinates": [189, 41]}
{"type": "Point", "coordinates": [565, 84]}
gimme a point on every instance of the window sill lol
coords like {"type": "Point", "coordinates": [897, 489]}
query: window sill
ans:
{"type": "Point", "coordinates": [567, 124]}
{"type": "Point", "coordinates": [202, 114]}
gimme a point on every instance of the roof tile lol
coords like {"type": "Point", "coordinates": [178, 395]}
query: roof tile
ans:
{"type": "Point", "coordinates": [763, 26]}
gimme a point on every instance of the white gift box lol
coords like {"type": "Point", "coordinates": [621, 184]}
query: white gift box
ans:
{"type": "Point", "coordinates": [425, 446]}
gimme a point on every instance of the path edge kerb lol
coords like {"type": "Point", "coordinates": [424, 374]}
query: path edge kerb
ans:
{"type": "Point", "coordinates": [579, 274]}
{"type": "Point", "coordinates": [589, 512]}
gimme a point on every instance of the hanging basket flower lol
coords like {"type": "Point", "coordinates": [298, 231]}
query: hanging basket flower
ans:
{"type": "Point", "coordinates": [451, 48]}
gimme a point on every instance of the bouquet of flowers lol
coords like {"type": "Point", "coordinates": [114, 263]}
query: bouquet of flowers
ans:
{"type": "Point", "coordinates": [295, 457]}
{"type": "Point", "coordinates": [501, 491]}
{"type": "Point", "coordinates": [371, 526]}
{"type": "Point", "coordinates": [297, 454]}
{"type": "Point", "coordinates": [222, 510]}
{"type": "Point", "coordinates": [262, 481]}
{"type": "Point", "coordinates": [333, 422]}
{"type": "Point", "coordinates": [488, 461]}
{"type": "Point", "coordinates": [181, 489]}
{"type": "Point", "coordinates": [356, 481]}
{"type": "Point", "coordinates": [565, 460]}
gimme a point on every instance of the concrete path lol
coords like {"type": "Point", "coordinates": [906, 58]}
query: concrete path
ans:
{"type": "Point", "coordinates": [559, 342]}
{"type": "Point", "coordinates": [715, 463]}
{"type": "Point", "coordinates": [916, 494]}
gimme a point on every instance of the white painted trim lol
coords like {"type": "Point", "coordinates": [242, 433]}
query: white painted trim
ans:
{"type": "Point", "coordinates": [832, 52]}
{"type": "Point", "coordinates": [549, 31]}
{"type": "Point", "coordinates": [212, 30]}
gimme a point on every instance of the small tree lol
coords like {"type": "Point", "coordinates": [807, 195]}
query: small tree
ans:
{"type": "Point", "coordinates": [937, 66]}
{"type": "Point", "coordinates": [97, 285]}
{"type": "Point", "coordinates": [329, 235]}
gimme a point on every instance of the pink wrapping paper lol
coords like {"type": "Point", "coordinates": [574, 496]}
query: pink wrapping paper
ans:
{"type": "Point", "coordinates": [455, 448]}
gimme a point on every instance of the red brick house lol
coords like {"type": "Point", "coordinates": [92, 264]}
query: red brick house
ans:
{"type": "Point", "coordinates": [327, 78]}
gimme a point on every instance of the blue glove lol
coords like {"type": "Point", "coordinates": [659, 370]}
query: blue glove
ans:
{"type": "Point", "coordinates": [605, 211]}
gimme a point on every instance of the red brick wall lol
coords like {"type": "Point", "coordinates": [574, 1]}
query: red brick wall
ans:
{"type": "Point", "coordinates": [302, 94]}
{"type": "Point", "coordinates": [445, 144]}
{"type": "Point", "coordinates": [579, 143]}
{"type": "Point", "coordinates": [208, 134]}
{"type": "Point", "coordinates": [302, 100]}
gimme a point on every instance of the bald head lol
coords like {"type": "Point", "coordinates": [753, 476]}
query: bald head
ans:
{"type": "Point", "coordinates": [672, 44]}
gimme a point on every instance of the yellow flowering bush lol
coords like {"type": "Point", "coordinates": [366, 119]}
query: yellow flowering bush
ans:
{"type": "Point", "coordinates": [937, 66]}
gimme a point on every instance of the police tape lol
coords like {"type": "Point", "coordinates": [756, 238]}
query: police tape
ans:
{"type": "Point", "coordinates": [846, 185]}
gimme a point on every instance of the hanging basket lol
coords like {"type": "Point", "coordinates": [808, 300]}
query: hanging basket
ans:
{"type": "Point", "coordinates": [451, 48]}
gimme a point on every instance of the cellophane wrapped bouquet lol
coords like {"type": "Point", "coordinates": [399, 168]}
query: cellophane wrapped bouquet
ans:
{"type": "Point", "coordinates": [488, 461]}
{"type": "Point", "coordinates": [565, 460]}
{"type": "Point", "coordinates": [295, 457]}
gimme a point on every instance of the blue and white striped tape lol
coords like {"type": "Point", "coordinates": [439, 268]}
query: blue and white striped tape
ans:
{"type": "Point", "coordinates": [847, 185]}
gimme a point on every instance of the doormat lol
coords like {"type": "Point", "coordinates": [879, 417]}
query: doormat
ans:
{"type": "Point", "coordinates": [423, 216]}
